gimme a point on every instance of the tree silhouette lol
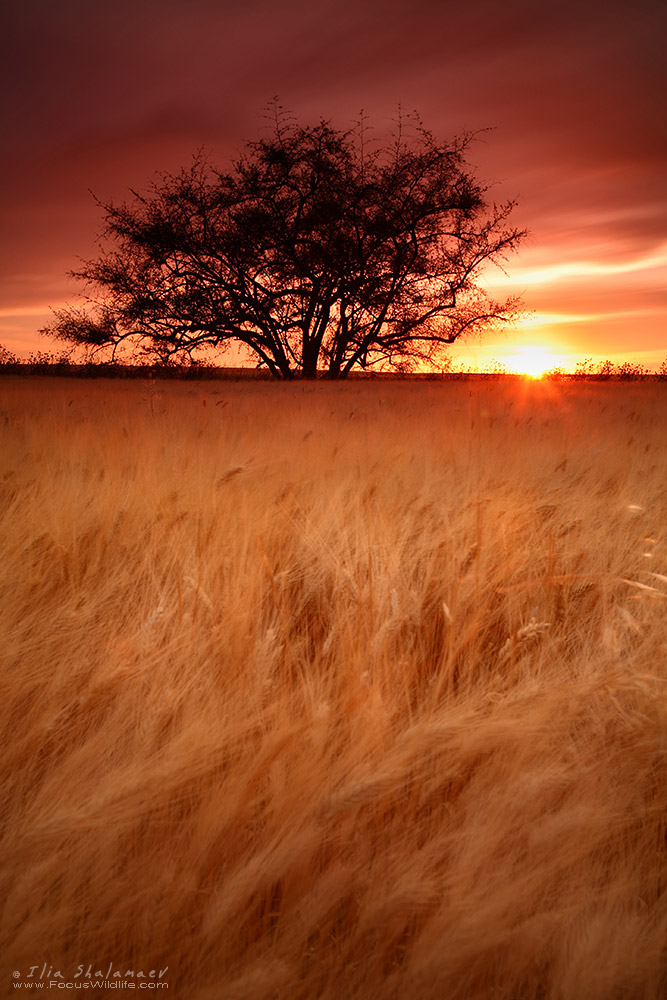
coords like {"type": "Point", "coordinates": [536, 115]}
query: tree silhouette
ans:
{"type": "Point", "coordinates": [314, 252]}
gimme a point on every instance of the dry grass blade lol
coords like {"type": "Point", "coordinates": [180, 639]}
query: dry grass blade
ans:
{"type": "Point", "coordinates": [298, 706]}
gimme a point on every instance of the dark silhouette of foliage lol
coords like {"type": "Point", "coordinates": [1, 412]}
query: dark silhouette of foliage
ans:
{"type": "Point", "coordinates": [605, 371]}
{"type": "Point", "coordinates": [315, 254]}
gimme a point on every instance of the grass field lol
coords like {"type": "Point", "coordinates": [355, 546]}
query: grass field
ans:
{"type": "Point", "coordinates": [323, 692]}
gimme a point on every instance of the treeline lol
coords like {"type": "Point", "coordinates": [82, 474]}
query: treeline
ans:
{"type": "Point", "coordinates": [43, 363]}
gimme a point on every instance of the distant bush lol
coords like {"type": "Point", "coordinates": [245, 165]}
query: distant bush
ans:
{"type": "Point", "coordinates": [603, 371]}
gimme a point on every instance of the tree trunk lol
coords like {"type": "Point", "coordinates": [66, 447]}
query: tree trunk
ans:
{"type": "Point", "coordinates": [309, 366]}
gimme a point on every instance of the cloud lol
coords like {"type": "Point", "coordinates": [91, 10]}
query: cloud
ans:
{"type": "Point", "coordinates": [29, 311]}
{"type": "Point", "coordinates": [585, 270]}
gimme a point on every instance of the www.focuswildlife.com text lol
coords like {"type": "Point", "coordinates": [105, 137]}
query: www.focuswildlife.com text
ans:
{"type": "Point", "coordinates": [102, 985]}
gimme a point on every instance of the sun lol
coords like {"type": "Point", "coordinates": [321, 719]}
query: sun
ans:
{"type": "Point", "coordinates": [533, 361]}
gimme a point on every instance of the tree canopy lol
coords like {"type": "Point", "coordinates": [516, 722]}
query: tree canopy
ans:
{"type": "Point", "coordinates": [316, 253]}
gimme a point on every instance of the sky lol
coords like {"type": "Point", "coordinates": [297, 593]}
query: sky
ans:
{"type": "Point", "coordinates": [99, 97]}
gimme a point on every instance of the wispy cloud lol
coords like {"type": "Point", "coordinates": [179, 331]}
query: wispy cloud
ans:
{"type": "Point", "coordinates": [583, 270]}
{"type": "Point", "coordinates": [551, 319]}
{"type": "Point", "coordinates": [29, 310]}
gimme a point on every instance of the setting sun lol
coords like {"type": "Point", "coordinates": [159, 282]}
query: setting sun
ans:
{"type": "Point", "coordinates": [533, 361]}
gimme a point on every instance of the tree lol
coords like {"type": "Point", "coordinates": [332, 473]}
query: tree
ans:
{"type": "Point", "coordinates": [314, 253]}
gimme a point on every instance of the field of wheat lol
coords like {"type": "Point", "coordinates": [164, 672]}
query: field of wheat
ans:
{"type": "Point", "coordinates": [334, 692]}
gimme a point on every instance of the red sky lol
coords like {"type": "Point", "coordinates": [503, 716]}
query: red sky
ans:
{"type": "Point", "coordinates": [100, 96]}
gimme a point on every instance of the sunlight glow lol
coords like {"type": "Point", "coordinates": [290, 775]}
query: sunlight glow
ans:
{"type": "Point", "coordinates": [533, 360]}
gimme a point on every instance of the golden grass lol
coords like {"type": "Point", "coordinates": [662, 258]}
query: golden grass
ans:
{"type": "Point", "coordinates": [349, 692]}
